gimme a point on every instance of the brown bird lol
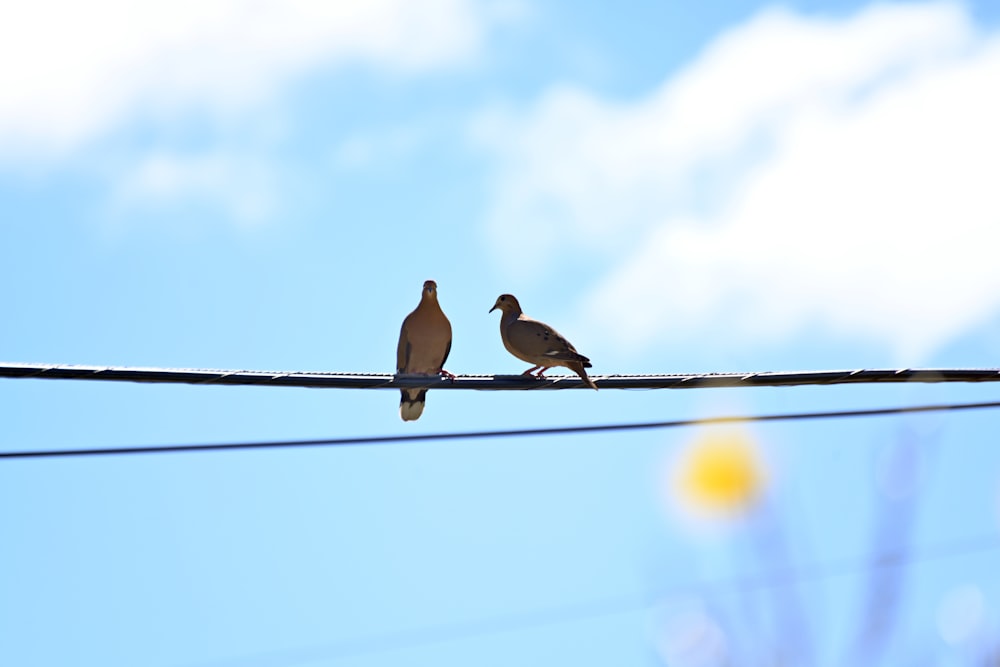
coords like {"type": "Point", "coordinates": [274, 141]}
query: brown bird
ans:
{"type": "Point", "coordinates": [536, 342]}
{"type": "Point", "coordinates": [424, 344]}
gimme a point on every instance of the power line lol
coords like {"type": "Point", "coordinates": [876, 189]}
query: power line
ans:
{"type": "Point", "coordinates": [313, 379]}
{"type": "Point", "coordinates": [471, 435]}
{"type": "Point", "coordinates": [621, 604]}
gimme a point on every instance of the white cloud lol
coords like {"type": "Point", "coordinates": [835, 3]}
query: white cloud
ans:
{"type": "Point", "coordinates": [388, 145]}
{"type": "Point", "coordinates": [801, 174]}
{"type": "Point", "coordinates": [73, 70]}
{"type": "Point", "coordinates": [243, 187]}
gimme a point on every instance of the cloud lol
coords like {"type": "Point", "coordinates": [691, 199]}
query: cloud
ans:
{"type": "Point", "coordinates": [243, 187]}
{"type": "Point", "coordinates": [801, 174]}
{"type": "Point", "coordinates": [74, 70]}
{"type": "Point", "coordinates": [366, 150]}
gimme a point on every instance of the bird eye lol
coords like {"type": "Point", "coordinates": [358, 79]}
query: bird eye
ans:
{"type": "Point", "coordinates": [503, 298]}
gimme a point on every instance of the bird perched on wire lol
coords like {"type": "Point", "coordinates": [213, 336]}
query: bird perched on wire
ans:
{"type": "Point", "coordinates": [424, 344]}
{"type": "Point", "coordinates": [536, 342]}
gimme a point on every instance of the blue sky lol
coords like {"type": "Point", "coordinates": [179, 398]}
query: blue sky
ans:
{"type": "Point", "coordinates": [266, 186]}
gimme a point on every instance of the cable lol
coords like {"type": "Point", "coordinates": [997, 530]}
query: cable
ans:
{"type": "Point", "coordinates": [470, 435]}
{"type": "Point", "coordinates": [491, 382]}
{"type": "Point", "coordinates": [738, 585]}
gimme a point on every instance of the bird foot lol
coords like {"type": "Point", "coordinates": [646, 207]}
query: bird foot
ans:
{"type": "Point", "coordinates": [450, 376]}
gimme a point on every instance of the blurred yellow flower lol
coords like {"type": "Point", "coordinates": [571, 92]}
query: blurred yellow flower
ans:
{"type": "Point", "coordinates": [720, 473]}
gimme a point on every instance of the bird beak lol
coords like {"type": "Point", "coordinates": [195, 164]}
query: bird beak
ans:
{"type": "Point", "coordinates": [493, 308]}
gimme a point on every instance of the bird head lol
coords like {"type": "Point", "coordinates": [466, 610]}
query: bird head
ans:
{"type": "Point", "coordinates": [430, 289]}
{"type": "Point", "coordinates": [506, 303]}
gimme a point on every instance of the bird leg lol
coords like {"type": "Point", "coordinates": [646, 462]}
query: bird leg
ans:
{"type": "Point", "coordinates": [541, 374]}
{"type": "Point", "coordinates": [530, 370]}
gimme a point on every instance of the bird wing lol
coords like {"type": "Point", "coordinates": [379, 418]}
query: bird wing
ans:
{"type": "Point", "coordinates": [538, 342]}
{"type": "Point", "coordinates": [424, 341]}
{"type": "Point", "coordinates": [447, 349]}
{"type": "Point", "coordinates": [403, 348]}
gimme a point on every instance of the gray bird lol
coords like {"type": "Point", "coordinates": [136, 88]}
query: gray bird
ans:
{"type": "Point", "coordinates": [536, 342]}
{"type": "Point", "coordinates": [424, 344]}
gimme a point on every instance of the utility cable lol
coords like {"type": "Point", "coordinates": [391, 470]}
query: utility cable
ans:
{"type": "Point", "coordinates": [406, 639]}
{"type": "Point", "coordinates": [491, 382]}
{"type": "Point", "coordinates": [471, 435]}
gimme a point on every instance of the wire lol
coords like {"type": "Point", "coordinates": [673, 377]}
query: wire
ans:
{"type": "Point", "coordinates": [491, 382]}
{"type": "Point", "coordinates": [470, 435]}
{"type": "Point", "coordinates": [620, 604]}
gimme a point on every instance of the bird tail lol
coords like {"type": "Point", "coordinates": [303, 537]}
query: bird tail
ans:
{"type": "Point", "coordinates": [578, 369]}
{"type": "Point", "coordinates": [411, 404]}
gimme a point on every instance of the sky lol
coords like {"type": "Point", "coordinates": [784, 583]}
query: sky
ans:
{"type": "Point", "coordinates": [733, 186]}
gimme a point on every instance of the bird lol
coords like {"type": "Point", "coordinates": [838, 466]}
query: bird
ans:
{"type": "Point", "coordinates": [424, 344]}
{"type": "Point", "coordinates": [536, 342]}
